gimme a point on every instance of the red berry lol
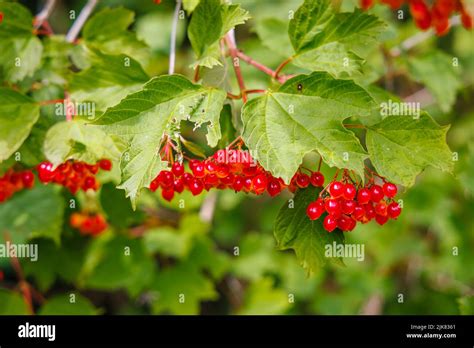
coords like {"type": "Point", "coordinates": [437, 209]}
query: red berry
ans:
{"type": "Point", "coordinates": [178, 185]}
{"type": "Point", "coordinates": [166, 179]}
{"type": "Point", "coordinates": [317, 179]}
{"type": "Point", "coordinates": [211, 180]}
{"type": "Point", "coordinates": [28, 178]}
{"type": "Point", "coordinates": [344, 223]}
{"type": "Point", "coordinates": [381, 208]}
{"type": "Point", "coordinates": [211, 167]}
{"type": "Point", "coordinates": [389, 189]}
{"type": "Point", "coordinates": [348, 207]}
{"type": "Point", "coordinates": [105, 164]}
{"type": "Point", "coordinates": [302, 180]}
{"type": "Point", "coordinates": [196, 186]}
{"type": "Point", "coordinates": [376, 193]}
{"type": "Point", "coordinates": [222, 170]}
{"type": "Point", "coordinates": [199, 170]}
{"type": "Point", "coordinates": [358, 213]}
{"type": "Point", "coordinates": [154, 185]}
{"type": "Point", "coordinates": [228, 180]}
{"type": "Point", "coordinates": [336, 189]}
{"type": "Point", "coordinates": [369, 211]}
{"type": "Point", "coordinates": [363, 196]}
{"type": "Point", "coordinates": [177, 169]}
{"type": "Point", "coordinates": [349, 191]}
{"type": "Point", "coordinates": [381, 220]}
{"type": "Point", "coordinates": [330, 223]}
{"type": "Point", "coordinates": [259, 183]}
{"type": "Point", "coordinates": [45, 172]}
{"type": "Point", "coordinates": [167, 194]}
{"type": "Point", "coordinates": [393, 210]}
{"type": "Point", "coordinates": [314, 210]}
{"type": "Point", "coordinates": [333, 207]}
{"type": "Point", "coordinates": [78, 167]}
{"type": "Point", "coordinates": [238, 184]}
{"type": "Point", "coordinates": [89, 183]}
{"type": "Point", "coordinates": [274, 187]}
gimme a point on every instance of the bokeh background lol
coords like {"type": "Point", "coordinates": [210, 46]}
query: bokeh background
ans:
{"type": "Point", "coordinates": [426, 255]}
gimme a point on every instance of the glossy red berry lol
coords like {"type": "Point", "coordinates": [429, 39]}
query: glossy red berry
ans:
{"type": "Point", "coordinates": [166, 179]}
{"type": "Point", "coordinates": [376, 193]}
{"type": "Point", "coordinates": [336, 189]}
{"type": "Point", "coordinates": [344, 223]}
{"type": "Point", "coordinates": [381, 208]}
{"type": "Point", "coordinates": [389, 189]}
{"type": "Point", "coordinates": [199, 170]}
{"type": "Point", "coordinates": [274, 187]}
{"type": "Point", "coordinates": [317, 179]}
{"type": "Point", "coordinates": [45, 172]}
{"type": "Point", "coordinates": [349, 191]}
{"type": "Point", "coordinates": [314, 210]}
{"type": "Point", "coordinates": [347, 206]}
{"type": "Point", "coordinates": [177, 169]}
{"type": "Point", "coordinates": [196, 186]}
{"type": "Point", "coordinates": [369, 211]}
{"type": "Point", "coordinates": [363, 196]}
{"type": "Point", "coordinates": [105, 164]}
{"type": "Point", "coordinates": [393, 210]}
{"type": "Point", "coordinates": [238, 184]}
{"type": "Point", "coordinates": [302, 180]}
{"type": "Point", "coordinates": [154, 185]}
{"type": "Point", "coordinates": [330, 223]}
{"type": "Point", "coordinates": [178, 185]}
{"type": "Point", "coordinates": [259, 183]}
{"type": "Point", "coordinates": [333, 207]}
{"type": "Point", "coordinates": [28, 178]}
{"type": "Point", "coordinates": [358, 213]}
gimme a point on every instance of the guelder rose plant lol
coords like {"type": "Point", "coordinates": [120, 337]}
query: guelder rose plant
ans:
{"type": "Point", "coordinates": [319, 101]}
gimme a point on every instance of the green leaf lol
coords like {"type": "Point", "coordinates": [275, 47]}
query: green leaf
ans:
{"type": "Point", "coordinates": [204, 37]}
{"type": "Point", "coordinates": [306, 114]}
{"type": "Point", "coordinates": [329, 41]}
{"type": "Point", "coordinates": [117, 262]}
{"type": "Point", "coordinates": [183, 282]}
{"type": "Point", "coordinates": [80, 141]}
{"type": "Point", "coordinates": [273, 33]}
{"type": "Point", "coordinates": [21, 50]}
{"type": "Point", "coordinates": [261, 298]}
{"type": "Point", "coordinates": [12, 303]}
{"type": "Point", "coordinates": [108, 31]}
{"type": "Point", "coordinates": [442, 79]}
{"type": "Point", "coordinates": [294, 230]}
{"type": "Point", "coordinates": [18, 114]}
{"type": "Point", "coordinates": [62, 305]}
{"type": "Point", "coordinates": [107, 81]}
{"type": "Point", "coordinates": [142, 118]}
{"type": "Point", "coordinates": [118, 208]}
{"type": "Point", "coordinates": [466, 305]}
{"type": "Point", "coordinates": [401, 147]}
{"type": "Point", "coordinates": [55, 65]}
{"type": "Point", "coordinates": [33, 213]}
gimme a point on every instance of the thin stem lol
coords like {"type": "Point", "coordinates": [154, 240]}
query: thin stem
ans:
{"type": "Point", "coordinates": [250, 91]}
{"type": "Point", "coordinates": [48, 102]}
{"type": "Point", "coordinates": [256, 64]}
{"type": "Point", "coordinates": [281, 66]}
{"type": "Point", "coordinates": [320, 162]}
{"type": "Point", "coordinates": [196, 74]}
{"type": "Point", "coordinates": [23, 284]}
{"type": "Point", "coordinates": [233, 96]}
{"type": "Point", "coordinates": [355, 126]}
{"type": "Point", "coordinates": [231, 44]}
{"type": "Point", "coordinates": [173, 38]}
{"type": "Point", "coordinates": [81, 20]}
{"type": "Point", "coordinates": [43, 15]}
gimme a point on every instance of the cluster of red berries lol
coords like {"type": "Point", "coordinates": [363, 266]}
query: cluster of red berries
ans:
{"type": "Point", "coordinates": [88, 224]}
{"type": "Point", "coordinates": [426, 16]}
{"type": "Point", "coordinates": [12, 182]}
{"type": "Point", "coordinates": [227, 169]}
{"type": "Point", "coordinates": [346, 205]}
{"type": "Point", "coordinates": [75, 175]}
